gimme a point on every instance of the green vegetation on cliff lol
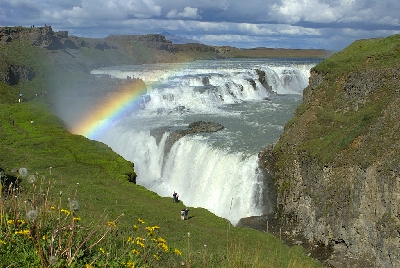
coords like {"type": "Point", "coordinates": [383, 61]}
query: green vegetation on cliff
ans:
{"type": "Point", "coordinates": [359, 84]}
{"type": "Point", "coordinates": [362, 55]}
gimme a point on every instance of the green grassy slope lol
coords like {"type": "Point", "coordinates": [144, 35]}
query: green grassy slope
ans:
{"type": "Point", "coordinates": [359, 85]}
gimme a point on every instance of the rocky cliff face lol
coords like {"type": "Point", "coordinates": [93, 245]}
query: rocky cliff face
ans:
{"type": "Point", "coordinates": [40, 36]}
{"type": "Point", "coordinates": [336, 168]}
{"type": "Point", "coordinates": [14, 74]}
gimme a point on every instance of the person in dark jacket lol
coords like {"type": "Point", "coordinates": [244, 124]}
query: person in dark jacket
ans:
{"type": "Point", "coordinates": [175, 196]}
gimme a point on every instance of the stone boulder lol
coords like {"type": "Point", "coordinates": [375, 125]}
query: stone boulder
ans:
{"type": "Point", "coordinates": [195, 127]}
{"type": "Point", "coordinates": [201, 126]}
{"type": "Point", "coordinates": [263, 81]}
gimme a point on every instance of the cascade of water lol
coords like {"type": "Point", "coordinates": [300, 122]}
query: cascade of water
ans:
{"type": "Point", "coordinates": [223, 85]}
{"type": "Point", "coordinates": [227, 184]}
{"type": "Point", "coordinates": [216, 171]}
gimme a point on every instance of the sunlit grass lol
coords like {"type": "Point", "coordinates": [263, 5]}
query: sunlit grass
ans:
{"type": "Point", "coordinates": [42, 229]}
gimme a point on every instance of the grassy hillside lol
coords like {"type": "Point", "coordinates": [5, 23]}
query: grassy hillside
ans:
{"type": "Point", "coordinates": [359, 85]}
{"type": "Point", "coordinates": [63, 168]}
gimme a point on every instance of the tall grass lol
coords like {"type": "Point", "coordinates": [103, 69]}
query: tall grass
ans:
{"type": "Point", "coordinates": [42, 227]}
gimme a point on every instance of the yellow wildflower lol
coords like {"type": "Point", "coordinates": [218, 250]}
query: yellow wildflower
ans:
{"type": "Point", "coordinates": [10, 222]}
{"type": "Point", "coordinates": [102, 250]}
{"type": "Point", "coordinates": [140, 221]}
{"type": "Point", "coordinates": [177, 252]}
{"type": "Point", "coordinates": [135, 227]}
{"type": "Point", "coordinates": [129, 239]}
{"type": "Point", "coordinates": [161, 240]}
{"type": "Point", "coordinates": [140, 243]}
{"type": "Point", "coordinates": [163, 246]}
{"type": "Point", "coordinates": [88, 266]}
{"type": "Point", "coordinates": [77, 219]}
{"type": "Point", "coordinates": [130, 264]}
{"type": "Point", "coordinates": [20, 221]}
{"type": "Point", "coordinates": [3, 242]}
{"type": "Point", "coordinates": [150, 233]}
{"type": "Point", "coordinates": [24, 232]}
{"type": "Point", "coordinates": [135, 251]}
{"type": "Point", "coordinates": [66, 212]}
{"type": "Point", "coordinates": [54, 208]}
{"type": "Point", "coordinates": [156, 257]}
{"type": "Point", "coordinates": [112, 223]}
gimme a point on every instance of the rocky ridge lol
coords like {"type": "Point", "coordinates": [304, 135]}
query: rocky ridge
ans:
{"type": "Point", "coordinates": [85, 54]}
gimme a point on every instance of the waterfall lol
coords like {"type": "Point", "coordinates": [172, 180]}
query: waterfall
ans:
{"type": "Point", "coordinates": [217, 171]}
{"type": "Point", "coordinates": [229, 185]}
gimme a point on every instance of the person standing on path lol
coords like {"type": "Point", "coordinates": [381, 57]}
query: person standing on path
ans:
{"type": "Point", "coordinates": [175, 196]}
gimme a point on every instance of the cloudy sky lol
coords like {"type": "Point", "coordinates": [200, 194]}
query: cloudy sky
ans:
{"type": "Point", "coordinates": [326, 24]}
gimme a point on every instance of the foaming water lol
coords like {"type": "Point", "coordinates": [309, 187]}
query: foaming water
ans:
{"type": "Point", "coordinates": [217, 171]}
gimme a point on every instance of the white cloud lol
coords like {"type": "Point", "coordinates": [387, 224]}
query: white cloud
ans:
{"type": "Point", "coordinates": [336, 11]}
{"type": "Point", "coordinates": [296, 30]}
{"type": "Point", "coordinates": [188, 12]}
{"type": "Point", "coordinates": [223, 38]}
{"type": "Point", "coordinates": [145, 8]}
{"type": "Point", "coordinates": [106, 10]}
{"type": "Point", "coordinates": [389, 21]}
{"type": "Point", "coordinates": [294, 11]}
{"type": "Point", "coordinates": [254, 29]}
{"type": "Point", "coordinates": [172, 14]}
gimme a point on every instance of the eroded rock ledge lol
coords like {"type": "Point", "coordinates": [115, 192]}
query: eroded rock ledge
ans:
{"type": "Point", "coordinates": [195, 127]}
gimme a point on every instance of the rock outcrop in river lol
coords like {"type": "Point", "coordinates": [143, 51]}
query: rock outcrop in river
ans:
{"type": "Point", "coordinates": [195, 127]}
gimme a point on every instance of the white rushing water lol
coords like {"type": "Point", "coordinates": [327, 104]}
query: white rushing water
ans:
{"type": "Point", "coordinates": [217, 171]}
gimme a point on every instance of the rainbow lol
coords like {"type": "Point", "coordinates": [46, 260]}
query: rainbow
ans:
{"type": "Point", "coordinates": [117, 105]}
{"type": "Point", "coordinates": [110, 108]}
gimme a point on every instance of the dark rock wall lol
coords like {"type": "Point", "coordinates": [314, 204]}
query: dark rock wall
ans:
{"type": "Point", "coordinates": [14, 74]}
